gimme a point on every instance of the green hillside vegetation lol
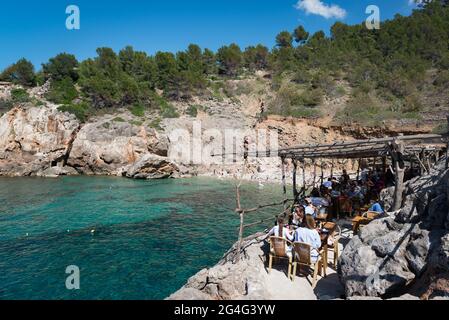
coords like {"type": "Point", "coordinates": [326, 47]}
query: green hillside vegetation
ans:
{"type": "Point", "coordinates": [386, 71]}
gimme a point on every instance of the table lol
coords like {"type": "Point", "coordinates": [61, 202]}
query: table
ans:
{"type": "Point", "coordinates": [357, 221]}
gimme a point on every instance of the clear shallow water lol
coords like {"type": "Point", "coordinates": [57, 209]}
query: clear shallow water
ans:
{"type": "Point", "coordinates": [150, 236]}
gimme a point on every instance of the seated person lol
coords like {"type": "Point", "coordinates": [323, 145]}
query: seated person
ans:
{"type": "Point", "coordinates": [280, 230]}
{"type": "Point", "coordinates": [328, 184]}
{"type": "Point", "coordinates": [298, 216]}
{"type": "Point", "coordinates": [376, 207]}
{"type": "Point", "coordinates": [344, 179]}
{"type": "Point", "coordinates": [315, 193]}
{"type": "Point", "coordinates": [310, 209]}
{"type": "Point", "coordinates": [309, 235]}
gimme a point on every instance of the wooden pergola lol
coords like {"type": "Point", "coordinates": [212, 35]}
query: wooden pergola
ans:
{"type": "Point", "coordinates": [424, 149]}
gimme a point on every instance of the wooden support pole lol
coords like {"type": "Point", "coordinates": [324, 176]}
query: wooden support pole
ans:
{"type": "Point", "coordinates": [314, 172]}
{"type": "Point", "coordinates": [295, 188]}
{"type": "Point", "coordinates": [242, 214]}
{"type": "Point", "coordinates": [322, 171]}
{"type": "Point", "coordinates": [332, 168]}
{"type": "Point", "coordinates": [284, 182]}
{"type": "Point", "coordinates": [304, 188]}
{"type": "Point", "coordinates": [397, 151]}
{"type": "Point", "coordinates": [447, 155]}
{"type": "Point", "coordinates": [358, 169]}
{"type": "Point", "coordinates": [447, 145]}
{"type": "Point", "coordinates": [239, 246]}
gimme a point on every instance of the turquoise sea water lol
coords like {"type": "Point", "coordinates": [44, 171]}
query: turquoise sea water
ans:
{"type": "Point", "coordinates": [150, 236]}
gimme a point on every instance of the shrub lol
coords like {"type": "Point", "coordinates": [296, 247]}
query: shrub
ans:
{"type": "Point", "coordinates": [118, 119]}
{"type": "Point", "coordinates": [311, 98]}
{"type": "Point", "coordinates": [19, 96]}
{"type": "Point", "coordinates": [167, 110]}
{"type": "Point", "coordinates": [192, 111]}
{"type": "Point", "coordinates": [136, 123]}
{"type": "Point", "coordinates": [442, 79]}
{"type": "Point", "coordinates": [442, 128]}
{"type": "Point", "coordinates": [5, 105]}
{"type": "Point", "coordinates": [80, 110]}
{"type": "Point", "coordinates": [412, 104]}
{"type": "Point", "coordinates": [62, 91]}
{"type": "Point", "coordinates": [156, 124]}
{"type": "Point", "coordinates": [138, 110]}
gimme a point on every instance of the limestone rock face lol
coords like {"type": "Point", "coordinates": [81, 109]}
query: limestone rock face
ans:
{"type": "Point", "coordinates": [42, 141]}
{"type": "Point", "coordinates": [106, 147]}
{"type": "Point", "coordinates": [405, 250]}
{"type": "Point", "coordinates": [227, 281]}
{"type": "Point", "coordinates": [34, 139]}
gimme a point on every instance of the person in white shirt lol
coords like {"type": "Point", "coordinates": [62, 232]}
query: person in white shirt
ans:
{"type": "Point", "coordinates": [276, 231]}
{"type": "Point", "coordinates": [310, 209]}
{"type": "Point", "coordinates": [309, 235]}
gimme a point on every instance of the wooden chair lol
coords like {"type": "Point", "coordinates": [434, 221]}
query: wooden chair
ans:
{"type": "Point", "coordinates": [301, 253]}
{"type": "Point", "coordinates": [321, 219]}
{"type": "Point", "coordinates": [336, 235]}
{"type": "Point", "coordinates": [278, 247]}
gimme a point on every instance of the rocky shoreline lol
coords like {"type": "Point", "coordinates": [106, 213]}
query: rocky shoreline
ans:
{"type": "Point", "coordinates": [402, 256]}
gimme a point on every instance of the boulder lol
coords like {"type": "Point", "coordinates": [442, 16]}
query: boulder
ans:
{"type": "Point", "coordinates": [57, 171]}
{"type": "Point", "coordinates": [151, 166]}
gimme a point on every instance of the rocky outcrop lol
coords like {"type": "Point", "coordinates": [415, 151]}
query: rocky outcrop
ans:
{"type": "Point", "coordinates": [151, 166]}
{"type": "Point", "coordinates": [406, 251]}
{"type": "Point", "coordinates": [106, 146]}
{"type": "Point", "coordinates": [41, 141]}
{"type": "Point", "coordinates": [34, 139]}
{"type": "Point", "coordinates": [245, 279]}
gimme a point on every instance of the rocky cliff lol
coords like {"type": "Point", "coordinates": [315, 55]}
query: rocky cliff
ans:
{"type": "Point", "coordinates": [41, 141]}
{"type": "Point", "coordinates": [408, 251]}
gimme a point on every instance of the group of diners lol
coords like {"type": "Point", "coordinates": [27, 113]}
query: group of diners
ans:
{"type": "Point", "coordinates": [346, 196]}
{"type": "Point", "coordinates": [335, 197]}
{"type": "Point", "coordinates": [300, 226]}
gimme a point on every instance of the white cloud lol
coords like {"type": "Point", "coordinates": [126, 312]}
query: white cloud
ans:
{"type": "Point", "coordinates": [322, 9]}
{"type": "Point", "coordinates": [414, 2]}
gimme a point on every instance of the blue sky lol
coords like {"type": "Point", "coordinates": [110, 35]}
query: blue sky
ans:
{"type": "Point", "coordinates": [36, 29]}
